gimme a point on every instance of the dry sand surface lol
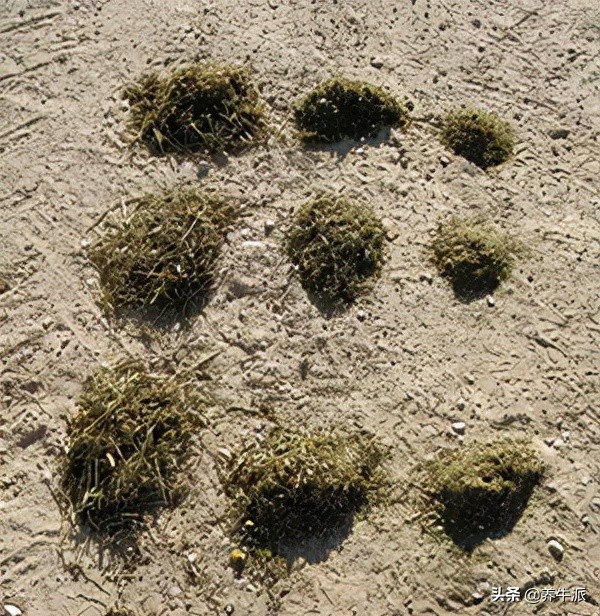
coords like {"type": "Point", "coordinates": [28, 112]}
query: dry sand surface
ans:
{"type": "Point", "coordinates": [404, 363]}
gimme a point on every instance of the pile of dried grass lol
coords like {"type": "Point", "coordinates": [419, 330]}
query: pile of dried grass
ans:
{"type": "Point", "coordinates": [202, 106]}
{"type": "Point", "coordinates": [340, 108]}
{"type": "Point", "coordinates": [481, 490]}
{"type": "Point", "coordinates": [126, 444]}
{"type": "Point", "coordinates": [474, 257]}
{"type": "Point", "coordinates": [164, 252]}
{"type": "Point", "coordinates": [479, 136]}
{"type": "Point", "coordinates": [296, 485]}
{"type": "Point", "coordinates": [337, 247]}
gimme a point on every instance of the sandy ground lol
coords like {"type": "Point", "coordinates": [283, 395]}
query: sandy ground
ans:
{"type": "Point", "coordinates": [404, 363]}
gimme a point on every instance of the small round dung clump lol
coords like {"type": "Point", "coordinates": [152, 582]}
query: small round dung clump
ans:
{"type": "Point", "coordinates": [337, 247]}
{"type": "Point", "coordinates": [163, 253]}
{"type": "Point", "coordinates": [474, 257]}
{"type": "Point", "coordinates": [479, 136]}
{"type": "Point", "coordinates": [126, 444]}
{"type": "Point", "coordinates": [480, 491]}
{"type": "Point", "coordinates": [340, 108]}
{"type": "Point", "coordinates": [298, 485]}
{"type": "Point", "coordinates": [200, 107]}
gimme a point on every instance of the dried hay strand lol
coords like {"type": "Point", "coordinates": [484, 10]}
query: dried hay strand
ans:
{"type": "Point", "coordinates": [337, 247]}
{"type": "Point", "coordinates": [126, 445]}
{"type": "Point", "coordinates": [163, 253]}
{"type": "Point", "coordinates": [300, 484]}
{"type": "Point", "coordinates": [339, 108]}
{"type": "Point", "coordinates": [199, 107]}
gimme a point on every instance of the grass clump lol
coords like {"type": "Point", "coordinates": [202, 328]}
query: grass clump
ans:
{"type": "Point", "coordinates": [199, 107]}
{"type": "Point", "coordinates": [481, 490]}
{"type": "Point", "coordinates": [479, 136]}
{"type": "Point", "coordinates": [474, 257]}
{"type": "Point", "coordinates": [340, 108]}
{"type": "Point", "coordinates": [164, 252]}
{"type": "Point", "coordinates": [338, 248]}
{"type": "Point", "coordinates": [297, 485]}
{"type": "Point", "coordinates": [126, 444]}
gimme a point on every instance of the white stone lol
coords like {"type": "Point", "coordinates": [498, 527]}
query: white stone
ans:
{"type": "Point", "coordinates": [12, 610]}
{"type": "Point", "coordinates": [556, 549]}
{"type": "Point", "coordinates": [459, 427]}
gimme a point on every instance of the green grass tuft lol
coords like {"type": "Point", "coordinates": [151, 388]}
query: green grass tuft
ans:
{"type": "Point", "coordinates": [164, 253]}
{"type": "Point", "coordinates": [126, 444]}
{"type": "Point", "coordinates": [297, 485]}
{"type": "Point", "coordinates": [479, 136]}
{"type": "Point", "coordinates": [337, 247]}
{"type": "Point", "coordinates": [339, 108]}
{"type": "Point", "coordinates": [481, 490]}
{"type": "Point", "coordinates": [474, 257]}
{"type": "Point", "coordinates": [200, 107]}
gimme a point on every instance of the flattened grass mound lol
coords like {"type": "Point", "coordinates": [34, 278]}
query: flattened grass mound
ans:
{"type": "Point", "coordinates": [201, 107]}
{"type": "Point", "coordinates": [126, 443]}
{"type": "Point", "coordinates": [474, 257]}
{"type": "Point", "coordinates": [299, 485]}
{"type": "Point", "coordinates": [337, 247]}
{"type": "Point", "coordinates": [479, 136]}
{"type": "Point", "coordinates": [164, 252]}
{"type": "Point", "coordinates": [481, 490]}
{"type": "Point", "coordinates": [339, 108]}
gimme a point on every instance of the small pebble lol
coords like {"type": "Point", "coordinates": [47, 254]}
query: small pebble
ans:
{"type": "Point", "coordinates": [444, 161]}
{"type": "Point", "coordinates": [229, 609]}
{"type": "Point", "coordinates": [559, 133]}
{"type": "Point", "coordinates": [425, 277]}
{"type": "Point", "coordinates": [361, 315]}
{"type": "Point", "coordinates": [491, 302]}
{"type": "Point", "coordinates": [556, 549]}
{"type": "Point", "coordinates": [269, 226]}
{"type": "Point", "coordinates": [376, 62]}
{"type": "Point", "coordinates": [470, 379]}
{"type": "Point", "coordinates": [461, 404]}
{"type": "Point", "coordinates": [12, 610]}
{"type": "Point", "coordinates": [459, 427]}
{"type": "Point", "coordinates": [477, 597]}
